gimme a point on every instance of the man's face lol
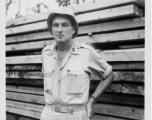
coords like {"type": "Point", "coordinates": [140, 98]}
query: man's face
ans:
{"type": "Point", "coordinates": [62, 29]}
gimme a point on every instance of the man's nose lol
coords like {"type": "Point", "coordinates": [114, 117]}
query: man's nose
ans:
{"type": "Point", "coordinates": [60, 28]}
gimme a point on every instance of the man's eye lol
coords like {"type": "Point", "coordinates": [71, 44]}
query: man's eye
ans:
{"type": "Point", "coordinates": [54, 25]}
{"type": "Point", "coordinates": [65, 25]}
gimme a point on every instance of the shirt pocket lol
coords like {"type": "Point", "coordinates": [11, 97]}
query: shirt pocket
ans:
{"type": "Point", "coordinates": [75, 81]}
{"type": "Point", "coordinates": [48, 80]}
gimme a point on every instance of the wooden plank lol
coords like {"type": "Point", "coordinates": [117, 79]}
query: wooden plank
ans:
{"type": "Point", "coordinates": [105, 109]}
{"type": "Point", "coordinates": [111, 37]}
{"type": "Point", "coordinates": [101, 27]}
{"type": "Point", "coordinates": [113, 55]}
{"type": "Point", "coordinates": [26, 118]}
{"type": "Point", "coordinates": [89, 29]}
{"type": "Point", "coordinates": [129, 76]}
{"type": "Point", "coordinates": [119, 76]}
{"type": "Point", "coordinates": [123, 99]}
{"type": "Point", "coordinates": [30, 82]}
{"type": "Point", "coordinates": [22, 89]}
{"type": "Point", "coordinates": [126, 89]}
{"type": "Point", "coordinates": [119, 111]}
{"type": "Point", "coordinates": [97, 5]}
{"type": "Point", "coordinates": [96, 117]}
{"type": "Point", "coordinates": [22, 111]}
{"type": "Point", "coordinates": [123, 55]}
{"type": "Point", "coordinates": [32, 98]}
{"type": "Point", "coordinates": [127, 66]}
{"type": "Point", "coordinates": [24, 75]}
{"type": "Point", "coordinates": [131, 46]}
{"type": "Point", "coordinates": [113, 25]}
{"type": "Point", "coordinates": [122, 88]}
{"type": "Point", "coordinates": [10, 116]}
{"type": "Point", "coordinates": [37, 67]}
{"type": "Point", "coordinates": [104, 4]}
{"type": "Point", "coordinates": [126, 99]}
{"type": "Point", "coordinates": [124, 76]}
{"type": "Point", "coordinates": [27, 113]}
{"type": "Point", "coordinates": [25, 106]}
{"type": "Point", "coordinates": [99, 38]}
{"type": "Point", "coordinates": [29, 46]}
{"type": "Point", "coordinates": [29, 37]}
{"type": "Point", "coordinates": [113, 88]}
{"type": "Point", "coordinates": [113, 13]}
{"type": "Point", "coordinates": [101, 117]}
{"type": "Point", "coordinates": [25, 97]}
{"type": "Point", "coordinates": [24, 59]}
{"type": "Point", "coordinates": [115, 66]}
{"type": "Point", "coordinates": [27, 28]}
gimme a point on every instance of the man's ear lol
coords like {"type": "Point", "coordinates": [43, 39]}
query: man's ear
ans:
{"type": "Point", "coordinates": [74, 29]}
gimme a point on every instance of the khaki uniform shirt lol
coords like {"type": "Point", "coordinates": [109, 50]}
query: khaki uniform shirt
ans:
{"type": "Point", "coordinates": [68, 83]}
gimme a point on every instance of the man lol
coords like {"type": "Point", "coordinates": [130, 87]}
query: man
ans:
{"type": "Point", "coordinates": [67, 66]}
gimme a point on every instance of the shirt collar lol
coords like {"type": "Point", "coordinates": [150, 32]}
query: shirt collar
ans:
{"type": "Point", "coordinates": [74, 49]}
{"type": "Point", "coordinates": [51, 49]}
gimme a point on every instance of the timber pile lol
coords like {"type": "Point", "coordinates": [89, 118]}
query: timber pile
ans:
{"type": "Point", "coordinates": [115, 28]}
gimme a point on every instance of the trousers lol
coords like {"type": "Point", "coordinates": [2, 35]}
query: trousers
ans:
{"type": "Point", "coordinates": [48, 114]}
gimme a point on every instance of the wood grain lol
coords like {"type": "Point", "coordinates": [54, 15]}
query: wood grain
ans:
{"type": "Point", "coordinates": [101, 27]}
{"type": "Point", "coordinates": [99, 38]}
{"type": "Point", "coordinates": [23, 112]}
{"type": "Point", "coordinates": [115, 66]}
{"type": "Point", "coordinates": [121, 111]}
{"type": "Point", "coordinates": [112, 21]}
{"type": "Point", "coordinates": [88, 29]}
{"type": "Point", "coordinates": [108, 97]}
{"type": "Point", "coordinates": [25, 97]}
{"type": "Point", "coordinates": [18, 117]}
{"type": "Point", "coordinates": [10, 116]}
{"type": "Point", "coordinates": [123, 88]}
{"type": "Point", "coordinates": [25, 89]}
{"type": "Point", "coordinates": [113, 13]}
{"type": "Point", "coordinates": [119, 76]}
{"type": "Point", "coordinates": [117, 111]}
{"type": "Point", "coordinates": [113, 55]}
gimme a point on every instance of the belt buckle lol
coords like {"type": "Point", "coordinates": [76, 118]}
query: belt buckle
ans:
{"type": "Point", "coordinates": [70, 110]}
{"type": "Point", "coordinates": [57, 109]}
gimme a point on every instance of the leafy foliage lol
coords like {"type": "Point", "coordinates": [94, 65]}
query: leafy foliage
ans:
{"type": "Point", "coordinates": [19, 8]}
{"type": "Point", "coordinates": [66, 3]}
{"type": "Point", "coordinates": [8, 3]}
{"type": "Point", "coordinates": [37, 8]}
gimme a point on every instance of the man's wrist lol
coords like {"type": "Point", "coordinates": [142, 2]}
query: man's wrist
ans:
{"type": "Point", "coordinates": [93, 98]}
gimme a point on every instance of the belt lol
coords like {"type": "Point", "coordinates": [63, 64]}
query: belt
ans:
{"type": "Point", "coordinates": [66, 109]}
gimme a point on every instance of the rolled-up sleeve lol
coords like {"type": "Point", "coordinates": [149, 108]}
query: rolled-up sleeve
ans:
{"type": "Point", "coordinates": [96, 65]}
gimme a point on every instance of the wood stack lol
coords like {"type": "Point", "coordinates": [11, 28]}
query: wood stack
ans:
{"type": "Point", "coordinates": [115, 28]}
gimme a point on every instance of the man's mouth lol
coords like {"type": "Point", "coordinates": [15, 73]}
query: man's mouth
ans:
{"type": "Point", "coordinates": [60, 35]}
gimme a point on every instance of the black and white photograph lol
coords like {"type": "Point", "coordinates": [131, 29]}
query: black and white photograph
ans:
{"type": "Point", "coordinates": [77, 60]}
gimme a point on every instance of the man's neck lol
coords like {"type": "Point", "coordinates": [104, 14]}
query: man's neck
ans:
{"type": "Point", "coordinates": [63, 47]}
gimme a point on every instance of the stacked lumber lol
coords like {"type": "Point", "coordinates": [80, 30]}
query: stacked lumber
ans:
{"type": "Point", "coordinates": [115, 29]}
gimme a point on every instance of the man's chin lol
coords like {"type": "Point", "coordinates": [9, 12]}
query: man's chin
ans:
{"type": "Point", "coordinates": [60, 41]}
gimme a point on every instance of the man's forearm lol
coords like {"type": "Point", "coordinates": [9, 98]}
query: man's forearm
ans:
{"type": "Point", "coordinates": [103, 85]}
